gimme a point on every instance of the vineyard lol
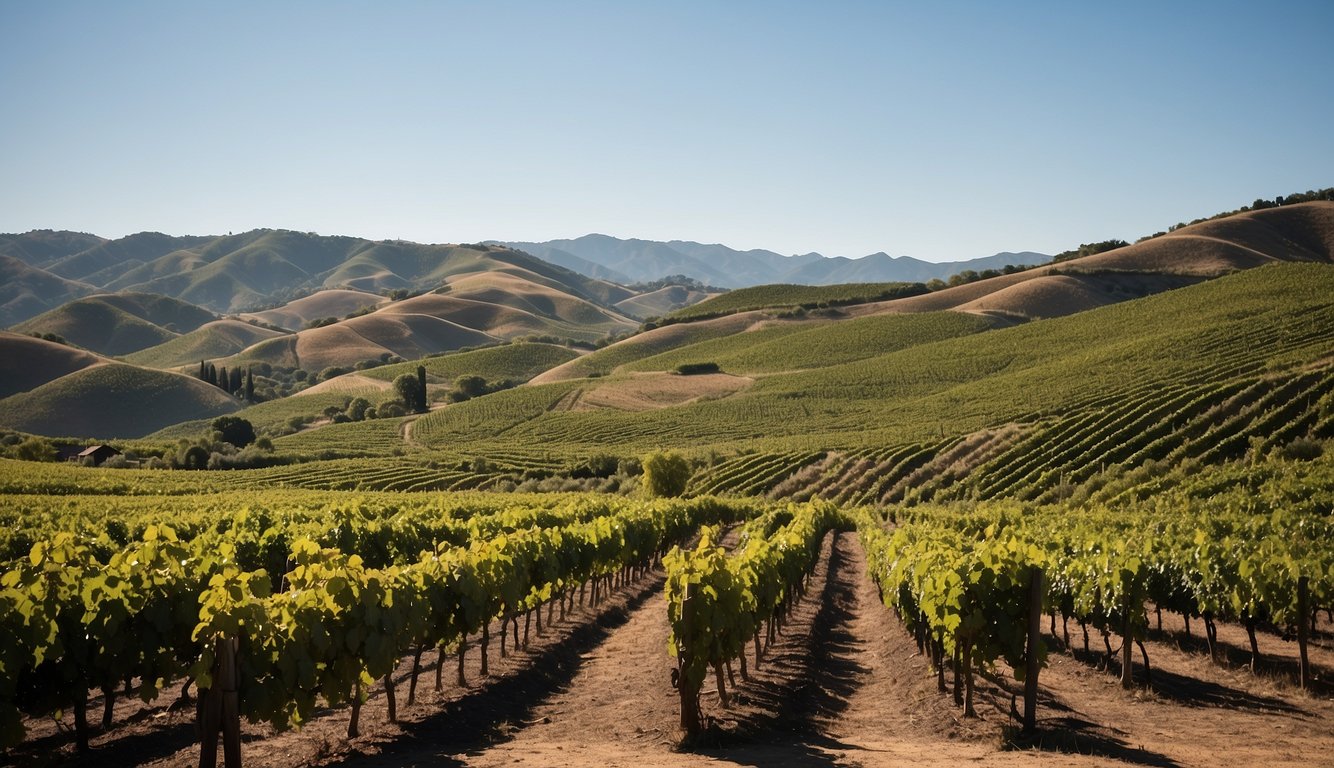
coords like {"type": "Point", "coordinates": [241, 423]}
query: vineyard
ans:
{"type": "Point", "coordinates": [300, 611]}
{"type": "Point", "coordinates": [929, 538]}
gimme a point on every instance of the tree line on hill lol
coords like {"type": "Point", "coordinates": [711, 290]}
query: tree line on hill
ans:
{"type": "Point", "coordinates": [232, 382]}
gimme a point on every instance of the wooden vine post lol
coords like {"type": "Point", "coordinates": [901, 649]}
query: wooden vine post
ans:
{"type": "Point", "coordinates": [1127, 673]}
{"type": "Point", "coordinates": [684, 658]}
{"type": "Point", "coordinates": [1304, 629]}
{"type": "Point", "coordinates": [1031, 659]}
{"type": "Point", "coordinates": [222, 709]}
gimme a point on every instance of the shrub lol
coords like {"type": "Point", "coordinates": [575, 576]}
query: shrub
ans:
{"type": "Point", "coordinates": [234, 430]}
{"type": "Point", "coordinates": [35, 449]}
{"type": "Point", "coordinates": [692, 369]}
{"type": "Point", "coordinates": [1303, 449]}
{"type": "Point", "coordinates": [666, 474]}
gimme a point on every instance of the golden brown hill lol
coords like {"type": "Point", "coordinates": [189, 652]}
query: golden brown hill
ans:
{"type": "Point", "coordinates": [371, 336]}
{"type": "Point", "coordinates": [469, 310]}
{"type": "Point", "coordinates": [337, 303]}
{"type": "Point", "coordinates": [1302, 232]}
{"type": "Point", "coordinates": [210, 341]}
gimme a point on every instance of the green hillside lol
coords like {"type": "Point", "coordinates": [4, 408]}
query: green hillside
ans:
{"type": "Point", "coordinates": [26, 291]}
{"type": "Point", "coordinates": [119, 324]}
{"type": "Point", "coordinates": [219, 338]}
{"type": "Point", "coordinates": [1268, 324]}
{"type": "Point", "coordinates": [113, 401]}
{"type": "Point", "coordinates": [518, 361]}
{"type": "Point", "coordinates": [799, 346]}
{"type": "Point", "coordinates": [514, 363]}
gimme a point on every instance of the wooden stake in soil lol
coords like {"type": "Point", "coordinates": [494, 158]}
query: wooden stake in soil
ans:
{"type": "Point", "coordinates": [1303, 630]}
{"type": "Point", "coordinates": [1127, 674]}
{"type": "Point", "coordinates": [1031, 660]}
{"type": "Point", "coordinates": [222, 710]}
{"type": "Point", "coordinates": [689, 693]}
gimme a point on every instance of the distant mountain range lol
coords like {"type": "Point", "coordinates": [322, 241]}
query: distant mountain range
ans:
{"type": "Point", "coordinates": [44, 269]}
{"type": "Point", "coordinates": [641, 261]}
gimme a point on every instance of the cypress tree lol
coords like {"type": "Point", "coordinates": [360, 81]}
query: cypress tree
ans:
{"type": "Point", "coordinates": [235, 383]}
{"type": "Point", "coordinates": [421, 389]}
{"type": "Point", "coordinates": [203, 371]}
{"type": "Point", "coordinates": [250, 385]}
{"type": "Point", "coordinates": [212, 375]}
{"type": "Point", "coordinates": [224, 379]}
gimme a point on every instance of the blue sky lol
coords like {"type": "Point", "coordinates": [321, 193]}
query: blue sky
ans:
{"type": "Point", "coordinates": [938, 130]}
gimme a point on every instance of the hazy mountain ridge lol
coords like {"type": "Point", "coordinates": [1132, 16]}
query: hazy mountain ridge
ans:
{"type": "Point", "coordinates": [635, 260]}
{"type": "Point", "coordinates": [43, 269]}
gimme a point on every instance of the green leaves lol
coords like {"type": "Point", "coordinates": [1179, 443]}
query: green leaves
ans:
{"type": "Point", "coordinates": [716, 603]}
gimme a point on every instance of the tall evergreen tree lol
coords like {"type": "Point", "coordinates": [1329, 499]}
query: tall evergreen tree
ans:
{"type": "Point", "coordinates": [250, 385]}
{"type": "Point", "coordinates": [421, 389]}
{"type": "Point", "coordinates": [224, 379]}
{"type": "Point", "coordinates": [203, 371]}
{"type": "Point", "coordinates": [212, 375]}
{"type": "Point", "coordinates": [234, 384]}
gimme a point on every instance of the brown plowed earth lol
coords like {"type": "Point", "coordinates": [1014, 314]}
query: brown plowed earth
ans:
{"type": "Point", "coordinates": [843, 685]}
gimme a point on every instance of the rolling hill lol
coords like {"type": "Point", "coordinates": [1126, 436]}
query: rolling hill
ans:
{"type": "Point", "coordinates": [661, 302]}
{"type": "Point", "coordinates": [260, 268]}
{"type": "Point", "coordinates": [1191, 254]}
{"type": "Point", "coordinates": [27, 363]}
{"type": "Point", "coordinates": [219, 338]}
{"type": "Point", "coordinates": [335, 302]}
{"type": "Point", "coordinates": [113, 400]}
{"type": "Point", "coordinates": [26, 291]}
{"type": "Point", "coordinates": [468, 310]}
{"type": "Point", "coordinates": [1246, 357]}
{"type": "Point", "coordinates": [119, 323]}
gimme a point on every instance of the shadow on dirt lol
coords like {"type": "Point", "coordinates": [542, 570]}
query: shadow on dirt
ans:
{"type": "Point", "coordinates": [484, 716]}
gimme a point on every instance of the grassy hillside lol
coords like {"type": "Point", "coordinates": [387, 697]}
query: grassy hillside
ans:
{"type": "Point", "coordinates": [1296, 233]}
{"type": "Point", "coordinates": [956, 386]}
{"type": "Point", "coordinates": [519, 361]}
{"type": "Point", "coordinates": [336, 303]}
{"type": "Point", "coordinates": [220, 338]}
{"type": "Point", "coordinates": [27, 291]}
{"type": "Point", "coordinates": [43, 247]}
{"type": "Point", "coordinates": [661, 302]}
{"type": "Point", "coordinates": [27, 363]}
{"type": "Point", "coordinates": [113, 401]}
{"type": "Point", "coordinates": [649, 343]}
{"type": "Point", "coordinates": [469, 310]}
{"type": "Point", "coordinates": [783, 347]}
{"type": "Point", "coordinates": [118, 324]}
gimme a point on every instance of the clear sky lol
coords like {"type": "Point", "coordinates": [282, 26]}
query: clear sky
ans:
{"type": "Point", "coordinates": [939, 130]}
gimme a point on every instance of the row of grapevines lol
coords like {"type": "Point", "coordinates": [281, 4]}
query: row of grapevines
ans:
{"type": "Point", "coordinates": [157, 609]}
{"type": "Point", "coordinates": [717, 602]}
{"type": "Point", "coordinates": [964, 594]}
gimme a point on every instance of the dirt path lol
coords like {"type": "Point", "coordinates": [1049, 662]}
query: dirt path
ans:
{"type": "Point", "coordinates": [1195, 713]}
{"type": "Point", "coordinates": [619, 709]}
{"type": "Point", "coordinates": [892, 713]}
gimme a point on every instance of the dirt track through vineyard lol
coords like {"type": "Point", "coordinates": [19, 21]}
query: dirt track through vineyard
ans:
{"type": "Point", "coordinates": [844, 685]}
